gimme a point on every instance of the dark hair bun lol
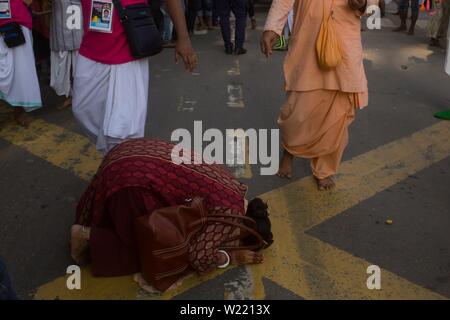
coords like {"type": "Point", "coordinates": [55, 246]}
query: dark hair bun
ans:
{"type": "Point", "coordinates": [258, 210]}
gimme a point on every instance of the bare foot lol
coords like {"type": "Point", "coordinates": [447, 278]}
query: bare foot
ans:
{"type": "Point", "coordinates": [285, 170]}
{"type": "Point", "coordinates": [139, 279]}
{"type": "Point", "coordinates": [79, 244]}
{"type": "Point", "coordinates": [21, 117]}
{"type": "Point", "coordinates": [66, 104]}
{"type": "Point", "coordinates": [144, 285]}
{"type": "Point", "coordinates": [326, 184]}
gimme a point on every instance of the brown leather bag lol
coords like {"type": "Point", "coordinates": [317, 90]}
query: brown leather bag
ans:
{"type": "Point", "coordinates": [164, 237]}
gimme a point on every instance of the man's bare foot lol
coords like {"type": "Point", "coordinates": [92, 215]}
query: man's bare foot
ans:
{"type": "Point", "coordinates": [285, 170]}
{"type": "Point", "coordinates": [79, 237]}
{"type": "Point", "coordinates": [21, 117]}
{"type": "Point", "coordinates": [66, 104]}
{"type": "Point", "coordinates": [326, 184]}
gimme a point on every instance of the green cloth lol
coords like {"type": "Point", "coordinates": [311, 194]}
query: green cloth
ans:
{"type": "Point", "coordinates": [281, 44]}
{"type": "Point", "coordinates": [444, 115]}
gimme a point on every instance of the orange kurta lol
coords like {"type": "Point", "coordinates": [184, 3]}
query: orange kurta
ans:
{"type": "Point", "coordinates": [320, 104]}
{"type": "Point", "coordinates": [302, 72]}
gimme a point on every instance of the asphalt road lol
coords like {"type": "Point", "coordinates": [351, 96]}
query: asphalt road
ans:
{"type": "Point", "coordinates": [407, 85]}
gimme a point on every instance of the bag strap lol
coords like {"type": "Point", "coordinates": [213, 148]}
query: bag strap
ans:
{"type": "Point", "coordinates": [241, 226]}
{"type": "Point", "coordinates": [237, 216]}
{"type": "Point", "coordinates": [331, 10]}
{"type": "Point", "coordinates": [240, 236]}
{"type": "Point", "coordinates": [122, 14]}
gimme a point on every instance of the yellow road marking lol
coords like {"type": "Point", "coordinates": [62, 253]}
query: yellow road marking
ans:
{"type": "Point", "coordinates": [364, 176]}
{"type": "Point", "coordinates": [236, 70]}
{"type": "Point", "coordinates": [61, 147]}
{"type": "Point", "coordinates": [235, 96]}
{"type": "Point", "coordinates": [186, 105]}
{"type": "Point", "coordinates": [298, 262]}
{"type": "Point", "coordinates": [321, 270]}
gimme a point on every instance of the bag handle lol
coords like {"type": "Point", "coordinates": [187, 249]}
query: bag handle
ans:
{"type": "Point", "coordinates": [241, 226]}
{"type": "Point", "coordinates": [237, 216]}
{"type": "Point", "coordinates": [237, 237]}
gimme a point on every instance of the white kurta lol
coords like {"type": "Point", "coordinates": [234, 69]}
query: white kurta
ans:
{"type": "Point", "coordinates": [111, 101]}
{"type": "Point", "coordinates": [19, 84]}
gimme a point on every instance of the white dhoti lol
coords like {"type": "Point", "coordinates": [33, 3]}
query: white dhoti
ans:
{"type": "Point", "coordinates": [111, 101]}
{"type": "Point", "coordinates": [63, 64]}
{"type": "Point", "coordinates": [19, 84]}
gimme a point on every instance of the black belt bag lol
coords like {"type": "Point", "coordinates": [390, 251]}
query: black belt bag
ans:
{"type": "Point", "coordinates": [142, 33]}
{"type": "Point", "coordinates": [12, 34]}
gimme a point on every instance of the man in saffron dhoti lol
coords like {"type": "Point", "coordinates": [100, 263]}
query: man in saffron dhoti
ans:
{"type": "Point", "coordinates": [19, 84]}
{"type": "Point", "coordinates": [66, 31]}
{"type": "Point", "coordinates": [320, 103]}
{"type": "Point", "coordinates": [110, 90]}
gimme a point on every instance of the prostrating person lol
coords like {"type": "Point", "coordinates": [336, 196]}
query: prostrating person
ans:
{"type": "Point", "coordinates": [190, 217]}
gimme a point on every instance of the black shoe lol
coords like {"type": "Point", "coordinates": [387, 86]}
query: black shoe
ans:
{"type": "Point", "coordinates": [229, 50]}
{"type": "Point", "coordinates": [240, 51]}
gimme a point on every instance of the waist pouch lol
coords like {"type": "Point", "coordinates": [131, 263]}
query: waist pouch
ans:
{"type": "Point", "coordinates": [12, 35]}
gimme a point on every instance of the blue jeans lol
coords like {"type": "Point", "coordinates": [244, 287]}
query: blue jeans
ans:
{"type": "Point", "coordinates": [205, 8]}
{"type": "Point", "coordinates": [168, 24]}
{"type": "Point", "coordinates": [239, 9]}
{"type": "Point", "coordinates": [6, 290]}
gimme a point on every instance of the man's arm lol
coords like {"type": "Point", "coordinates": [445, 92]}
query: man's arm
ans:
{"type": "Point", "coordinates": [183, 48]}
{"type": "Point", "coordinates": [276, 20]}
{"type": "Point", "coordinates": [278, 15]}
{"type": "Point", "coordinates": [358, 5]}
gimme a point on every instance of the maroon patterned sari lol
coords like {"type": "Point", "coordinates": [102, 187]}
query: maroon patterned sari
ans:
{"type": "Point", "coordinates": [135, 178]}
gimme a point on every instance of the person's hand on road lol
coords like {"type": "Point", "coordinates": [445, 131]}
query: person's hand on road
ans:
{"type": "Point", "coordinates": [243, 257]}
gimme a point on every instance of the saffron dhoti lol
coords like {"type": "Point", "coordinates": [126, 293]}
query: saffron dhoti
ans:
{"type": "Point", "coordinates": [314, 125]}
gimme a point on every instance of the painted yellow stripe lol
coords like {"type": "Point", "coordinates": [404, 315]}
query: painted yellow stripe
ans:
{"type": "Point", "coordinates": [364, 176]}
{"type": "Point", "coordinates": [61, 147]}
{"type": "Point", "coordinates": [316, 270]}
{"type": "Point", "coordinates": [298, 262]}
{"type": "Point", "coordinates": [236, 70]}
{"type": "Point", "coordinates": [119, 288]}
